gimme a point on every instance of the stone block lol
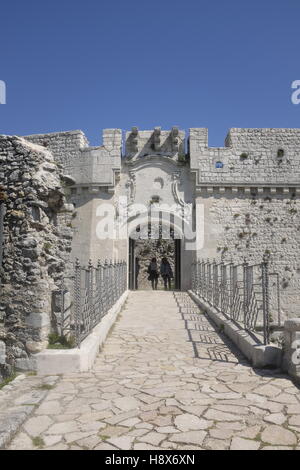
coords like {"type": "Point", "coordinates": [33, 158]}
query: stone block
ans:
{"type": "Point", "coordinates": [26, 364]}
{"type": "Point", "coordinates": [2, 352]}
{"type": "Point", "coordinates": [38, 320]}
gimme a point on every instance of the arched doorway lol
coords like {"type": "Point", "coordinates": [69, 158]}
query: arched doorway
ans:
{"type": "Point", "coordinates": [144, 244]}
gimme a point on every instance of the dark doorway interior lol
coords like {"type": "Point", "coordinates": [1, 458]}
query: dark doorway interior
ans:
{"type": "Point", "coordinates": [145, 250]}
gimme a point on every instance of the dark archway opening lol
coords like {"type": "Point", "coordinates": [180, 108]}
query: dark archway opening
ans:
{"type": "Point", "coordinates": [145, 250]}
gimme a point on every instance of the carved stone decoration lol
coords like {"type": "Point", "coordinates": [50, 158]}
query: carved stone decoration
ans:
{"type": "Point", "coordinates": [156, 138]}
{"type": "Point", "coordinates": [175, 139]}
{"type": "Point", "coordinates": [131, 186]}
{"type": "Point", "coordinates": [186, 209]}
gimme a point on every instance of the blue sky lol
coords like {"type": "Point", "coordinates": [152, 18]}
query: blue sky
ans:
{"type": "Point", "coordinates": [194, 63]}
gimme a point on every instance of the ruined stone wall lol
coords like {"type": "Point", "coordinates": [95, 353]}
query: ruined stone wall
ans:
{"type": "Point", "coordinates": [37, 243]}
{"type": "Point", "coordinates": [65, 146]}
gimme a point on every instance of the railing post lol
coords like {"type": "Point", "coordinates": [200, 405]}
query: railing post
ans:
{"type": "Point", "coordinates": [102, 288]}
{"type": "Point", "coordinates": [62, 307]}
{"type": "Point", "coordinates": [222, 285]}
{"type": "Point", "coordinates": [215, 283]}
{"type": "Point", "coordinates": [266, 300]}
{"type": "Point", "coordinates": [231, 284]}
{"type": "Point", "coordinates": [77, 302]}
{"type": "Point", "coordinates": [193, 277]}
{"type": "Point", "coordinates": [209, 280]}
{"type": "Point", "coordinates": [206, 280]}
{"type": "Point", "coordinates": [198, 277]}
{"type": "Point", "coordinates": [202, 282]}
{"type": "Point", "coordinates": [245, 292]}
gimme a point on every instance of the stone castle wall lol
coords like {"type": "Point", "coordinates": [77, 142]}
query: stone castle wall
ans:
{"type": "Point", "coordinates": [249, 190]}
{"type": "Point", "coordinates": [242, 226]}
{"type": "Point", "coordinates": [37, 243]}
{"type": "Point", "coordinates": [252, 156]}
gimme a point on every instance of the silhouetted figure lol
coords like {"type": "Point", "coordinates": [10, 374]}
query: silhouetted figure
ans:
{"type": "Point", "coordinates": [153, 273]}
{"type": "Point", "coordinates": [166, 272]}
{"type": "Point", "coordinates": [137, 271]}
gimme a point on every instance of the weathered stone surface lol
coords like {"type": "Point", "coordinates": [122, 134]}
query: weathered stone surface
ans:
{"type": "Point", "coordinates": [238, 443]}
{"type": "Point", "coordinates": [153, 438]}
{"type": "Point", "coordinates": [189, 437]}
{"type": "Point", "coordinates": [37, 425]}
{"type": "Point", "coordinates": [35, 253]}
{"type": "Point", "coordinates": [278, 435]}
{"type": "Point", "coordinates": [137, 368]}
{"type": "Point", "coordinates": [188, 422]}
{"type": "Point", "coordinates": [275, 418]}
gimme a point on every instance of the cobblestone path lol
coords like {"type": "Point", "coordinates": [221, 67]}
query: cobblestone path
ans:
{"type": "Point", "coordinates": [166, 380]}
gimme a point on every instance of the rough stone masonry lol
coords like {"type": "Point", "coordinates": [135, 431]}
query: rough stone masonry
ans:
{"type": "Point", "coordinates": [249, 191]}
{"type": "Point", "coordinates": [37, 243]}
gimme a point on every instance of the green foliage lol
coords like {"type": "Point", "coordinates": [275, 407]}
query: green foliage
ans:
{"type": "Point", "coordinates": [38, 441]}
{"type": "Point", "coordinates": [8, 380]}
{"type": "Point", "coordinates": [293, 210]}
{"type": "Point", "coordinates": [46, 387]}
{"type": "Point", "coordinates": [47, 246]}
{"type": "Point", "coordinates": [60, 342]}
{"type": "Point", "coordinates": [280, 153]}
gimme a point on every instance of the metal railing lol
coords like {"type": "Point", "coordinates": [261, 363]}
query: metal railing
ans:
{"type": "Point", "coordinates": [86, 296]}
{"type": "Point", "coordinates": [244, 293]}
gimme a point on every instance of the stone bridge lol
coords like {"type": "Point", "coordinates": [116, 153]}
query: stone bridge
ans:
{"type": "Point", "coordinates": [165, 379]}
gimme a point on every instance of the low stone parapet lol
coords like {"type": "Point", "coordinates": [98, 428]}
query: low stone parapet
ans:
{"type": "Point", "coordinates": [63, 361]}
{"type": "Point", "coordinates": [291, 356]}
{"type": "Point", "coordinates": [258, 354]}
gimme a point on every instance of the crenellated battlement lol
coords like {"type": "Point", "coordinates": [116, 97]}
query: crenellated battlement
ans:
{"type": "Point", "coordinates": [269, 157]}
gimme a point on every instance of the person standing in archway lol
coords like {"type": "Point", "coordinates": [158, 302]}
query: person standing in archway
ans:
{"type": "Point", "coordinates": [153, 273]}
{"type": "Point", "coordinates": [137, 271]}
{"type": "Point", "coordinates": [166, 272]}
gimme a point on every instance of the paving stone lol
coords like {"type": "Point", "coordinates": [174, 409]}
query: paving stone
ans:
{"type": "Point", "coordinates": [75, 436]}
{"type": "Point", "coordinates": [294, 420]}
{"type": "Point", "coordinates": [276, 448]}
{"type": "Point", "coordinates": [236, 426]}
{"type": "Point", "coordinates": [49, 408]}
{"type": "Point", "coordinates": [217, 444]}
{"type": "Point", "coordinates": [63, 428]}
{"type": "Point", "coordinates": [127, 403]}
{"type": "Point", "coordinates": [130, 422]}
{"type": "Point", "coordinates": [147, 391]}
{"type": "Point", "coordinates": [275, 418]}
{"type": "Point", "coordinates": [238, 443]}
{"type": "Point", "coordinates": [267, 390]}
{"type": "Point", "coordinates": [144, 426]}
{"type": "Point", "coordinates": [286, 398]}
{"type": "Point", "coordinates": [251, 432]}
{"type": "Point", "coordinates": [105, 446]}
{"type": "Point", "coordinates": [59, 446]}
{"type": "Point", "coordinates": [37, 425]}
{"type": "Point", "coordinates": [221, 433]}
{"type": "Point", "coordinates": [166, 429]}
{"type": "Point", "coordinates": [144, 446]}
{"type": "Point", "coordinates": [216, 415]}
{"type": "Point", "coordinates": [153, 438]}
{"type": "Point", "coordinates": [188, 422]}
{"type": "Point", "coordinates": [189, 437]}
{"type": "Point", "coordinates": [123, 442]}
{"type": "Point", "coordinates": [278, 435]}
{"type": "Point", "coordinates": [293, 409]}
{"type": "Point", "coordinates": [112, 431]}
{"type": "Point", "coordinates": [51, 440]}
{"type": "Point", "coordinates": [22, 442]}
{"type": "Point", "coordinates": [89, 442]}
